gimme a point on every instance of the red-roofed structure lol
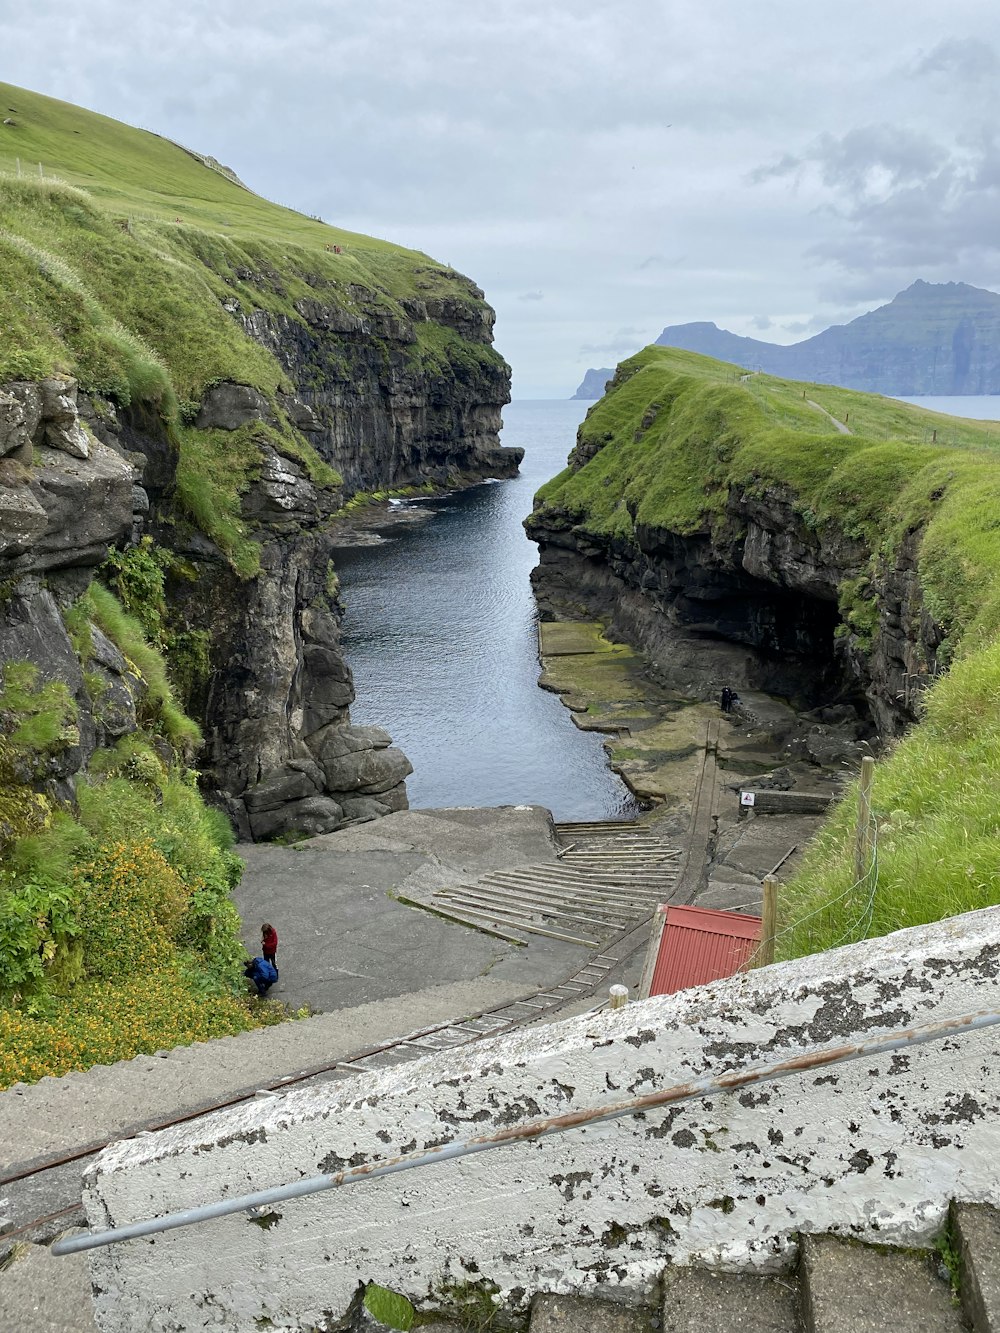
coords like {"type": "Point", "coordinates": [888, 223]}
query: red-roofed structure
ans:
{"type": "Point", "coordinates": [700, 944]}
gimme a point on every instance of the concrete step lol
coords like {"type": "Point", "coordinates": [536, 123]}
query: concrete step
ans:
{"type": "Point", "coordinates": [976, 1230]}
{"type": "Point", "coordinates": [42, 1294]}
{"type": "Point", "coordinates": [56, 1115]}
{"type": "Point", "coordinates": [852, 1288]}
{"type": "Point", "coordinates": [698, 1301]}
{"type": "Point", "coordinates": [586, 1314]}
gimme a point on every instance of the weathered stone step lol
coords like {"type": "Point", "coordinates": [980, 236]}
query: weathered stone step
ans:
{"type": "Point", "coordinates": [698, 1301]}
{"type": "Point", "coordinates": [42, 1294]}
{"type": "Point", "coordinates": [583, 1314]}
{"type": "Point", "coordinates": [976, 1228]}
{"type": "Point", "coordinates": [851, 1288]}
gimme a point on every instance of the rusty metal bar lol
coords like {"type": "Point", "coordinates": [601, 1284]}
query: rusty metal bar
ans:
{"type": "Point", "coordinates": [536, 1129]}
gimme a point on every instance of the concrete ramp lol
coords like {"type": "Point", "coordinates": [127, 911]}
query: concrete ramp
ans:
{"type": "Point", "coordinates": [605, 879]}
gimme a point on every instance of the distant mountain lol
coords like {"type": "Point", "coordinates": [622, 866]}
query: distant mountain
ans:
{"type": "Point", "coordinates": [933, 338]}
{"type": "Point", "coordinates": [594, 383]}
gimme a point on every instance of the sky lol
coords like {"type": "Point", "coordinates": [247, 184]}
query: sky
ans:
{"type": "Point", "coordinates": [601, 170]}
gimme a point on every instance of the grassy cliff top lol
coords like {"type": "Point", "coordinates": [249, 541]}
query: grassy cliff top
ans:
{"type": "Point", "coordinates": [674, 434]}
{"type": "Point", "coordinates": [141, 176]}
{"type": "Point", "coordinates": [677, 430]}
{"type": "Point", "coordinates": [118, 249]}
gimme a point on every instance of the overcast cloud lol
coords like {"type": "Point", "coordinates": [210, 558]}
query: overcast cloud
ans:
{"type": "Point", "coordinates": [600, 169]}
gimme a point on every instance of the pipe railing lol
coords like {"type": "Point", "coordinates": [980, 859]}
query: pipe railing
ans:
{"type": "Point", "coordinates": [536, 1129]}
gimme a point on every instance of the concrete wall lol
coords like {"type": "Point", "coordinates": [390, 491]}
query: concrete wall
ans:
{"type": "Point", "coordinates": [873, 1148]}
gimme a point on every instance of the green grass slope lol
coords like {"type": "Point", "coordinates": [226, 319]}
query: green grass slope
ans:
{"type": "Point", "coordinates": [123, 258]}
{"type": "Point", "coordinates": [663, 449]}
{"type": "Point", "coordinates": [194, 225]}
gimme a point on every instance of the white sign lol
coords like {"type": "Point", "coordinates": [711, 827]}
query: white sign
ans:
{"type": "Point", "coordinates": [747, 798]}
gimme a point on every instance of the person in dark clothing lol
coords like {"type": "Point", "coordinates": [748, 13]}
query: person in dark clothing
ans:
{"type": "Point", "coordinates": [726, 701]}
{"type": "Point", "coordinates": [262, 973]}
{"type": "Point", "coordinates": [268, 941]}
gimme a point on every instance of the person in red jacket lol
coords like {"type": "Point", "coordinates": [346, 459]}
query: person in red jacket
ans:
{"type": "Point", "coordinates": [268, 942]}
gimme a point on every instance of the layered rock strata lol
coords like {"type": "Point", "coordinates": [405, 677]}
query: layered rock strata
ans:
{"type": "Point", "coordinates": [753, 602]}
{"type": "Point", "coordinates": [79, 476]}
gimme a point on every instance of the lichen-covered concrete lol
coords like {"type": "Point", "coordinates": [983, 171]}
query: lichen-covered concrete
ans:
{"type": "Point", "coordinates": [874, 1148]}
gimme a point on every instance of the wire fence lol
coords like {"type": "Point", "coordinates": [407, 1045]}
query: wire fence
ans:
{"type": "Point", "coordinates": [866, 885]}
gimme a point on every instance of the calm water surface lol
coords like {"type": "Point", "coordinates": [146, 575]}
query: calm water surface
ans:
{"type": "Point", "coordinates": [440, 634]}
{"type": "Point", "coordinates": [983, 407]}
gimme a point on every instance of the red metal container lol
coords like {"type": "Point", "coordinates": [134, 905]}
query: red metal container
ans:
{"type": "Point", "coordinates": [700, 944]}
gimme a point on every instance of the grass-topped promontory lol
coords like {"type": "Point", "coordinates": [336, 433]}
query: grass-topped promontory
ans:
{"type": "Point", "coordinates": [676, 435]}
{"type": "Point", "coordinates": [131, 264]}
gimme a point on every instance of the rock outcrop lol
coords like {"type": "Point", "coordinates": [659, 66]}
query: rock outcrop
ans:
{"type": "Point", "coordinates": [748, 585]}
{"type": "Point", "coordinates": [79, 477]}
{"type": "Point", "coordinates": [227, 388]}
{"type": "Point", "coordinates": [753, 605]}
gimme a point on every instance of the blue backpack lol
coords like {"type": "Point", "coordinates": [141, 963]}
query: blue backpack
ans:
{"type": "Point", "coordinates": [262, 973]}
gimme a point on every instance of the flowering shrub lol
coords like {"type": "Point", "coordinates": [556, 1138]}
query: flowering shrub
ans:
{"type": "Point", "coordinates": [118, 932]}
{"type": "Point", "coordinates": [132, 904]}
{"type": "Point", "coordinates": [101, 1022]}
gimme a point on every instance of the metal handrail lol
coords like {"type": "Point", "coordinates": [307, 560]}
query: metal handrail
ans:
{"type": "Point", "coordinates": [535, 1129]}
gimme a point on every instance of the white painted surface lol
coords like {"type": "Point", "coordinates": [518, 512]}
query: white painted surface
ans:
{"type": "Point", "coordinates": [874, 1148]}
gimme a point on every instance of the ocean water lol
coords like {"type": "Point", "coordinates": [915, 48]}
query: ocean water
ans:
{"type": "Point", "coordinates": [440, 633]}
{"type": "Point", "coordinates": [981, 407]}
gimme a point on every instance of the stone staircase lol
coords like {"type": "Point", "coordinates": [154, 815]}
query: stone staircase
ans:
{"type": "Point", "coordinates": [840, 1287]}
{"type": "Point", "coordinates": [608, 877]}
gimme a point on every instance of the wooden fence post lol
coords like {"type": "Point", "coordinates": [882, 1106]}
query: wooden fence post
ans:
{"type": "Point", "coordinates": [863, 834]}
{"type": "Point", "coordinates": [768, 922]}
{"type": "Point", "coordinates": [619, 997]}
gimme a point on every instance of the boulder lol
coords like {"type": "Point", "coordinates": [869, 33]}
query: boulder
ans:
{"type": "Point", "coordinates": [20, 413]}
{"type": "Point", "coordinates": [229, 406]}
{"type": "Point", "coordinates": [280, 788]}
{"type": "Point", "coordinates": [327, 687]}
{"type": "Point", "coordinates": [305, 764]}
{"type": "Point", "coordinates": [88, 502]}
{"type": "Point", "coordinates": [22, 521]}
{"type": "Point", "coordinates": [373, 807]}
{"type": "Point", "coordinates": [363, 807]}
{"type": "Point", "coordinates": [114, 707]}
{"type": "Point", "coordinates": [315, 814]}
{"type": "Point", "coordinates": [281, 494]}
{"type": "Point", "coordinates": [367, 771]}
{"type": "Point", "coordinates": [395, 798]}
{"type": "Point", "coordinates": [320, 627]}
{"type": "Point", "coordinates": [61, 419]}
{"type": "Point", "coordinates": [334, 742]}
{"type": "Point", "coordinates": [104, 652]}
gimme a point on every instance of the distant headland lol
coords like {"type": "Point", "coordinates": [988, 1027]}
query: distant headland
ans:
{"type": "Point", "coordinates": [932, 338]}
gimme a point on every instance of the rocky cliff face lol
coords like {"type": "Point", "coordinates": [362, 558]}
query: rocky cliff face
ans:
{"type": "Point", "coordinates": [78, 476]}
{"type": "Point", "coordinates": [752, 603]}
